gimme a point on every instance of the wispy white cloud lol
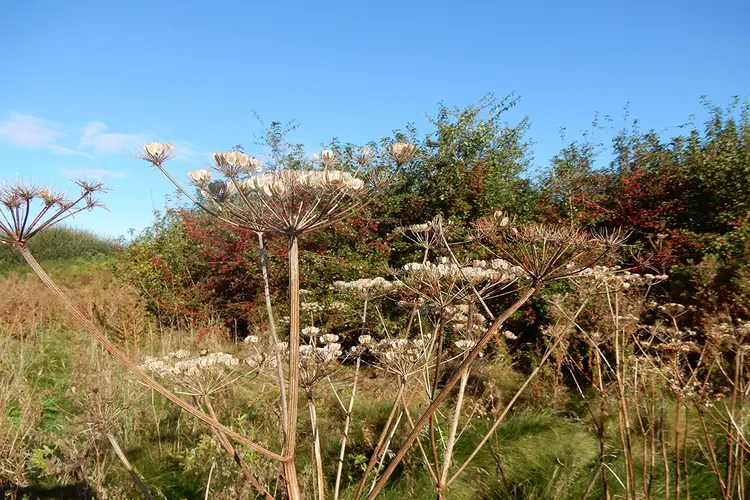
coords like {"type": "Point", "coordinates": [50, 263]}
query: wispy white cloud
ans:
{"type": "Point", "coordinates": [94, 136]}
{"type": "Point", "coordinates": [68, 151]}
{"type": "Point", "coordinates": [29, 131]}
{"type": "Point", "coordinates": [32, 132]}
{"type": "Point", "coordinates": [94, 173]}
{"type": "Point", "coordinates": [186, 151]}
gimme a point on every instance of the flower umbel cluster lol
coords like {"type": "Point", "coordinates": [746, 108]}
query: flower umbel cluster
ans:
{"type": "Point", "coordinates": [367, 289]}
{"type": "Point", "coordinates": [426, 235]}
{"type": "Point", "coordinates": [443, 283]}
{"type": "Point", "coordinates": [201, 374]}
{"type": "Point", "coordinates": [26, 209]}
{"type": "Point", "coordinates": [618, 279]}
{"type": "Point", "coordinates": [402, 357]}
{"type": "Point", "coordinates": [283, 201]}
{"type": "Point", "coordinates": [546, 252]}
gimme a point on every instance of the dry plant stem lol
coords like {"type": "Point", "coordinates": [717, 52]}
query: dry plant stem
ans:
{"type": "Point", "coordinates": [623, 415]}
{"type": "Point", "coordinates": [442, 485]}
{"type": "Point", "coordinates": [663, 442]}
{"type": "Point", "coordinates": [498, 457]}
{"type": "Point", "coordinates": [685, 455]}
{"type": "Point", "coordinates": [678, 470]}
{"type": "Point", "coordinates": [290, 444]}
{"type": "Point", "coordinates": [591, 484]}
{"type": "Point", "coordinates": [232, 450]}
{"type": "Point", "coordinates": [132, 367]}
{"type": "Point", "coordinates": [316, 446]}
{"type": "Point", "coordinates": [347, 423]}
{"type": "Point", "coordinates": [728, 479]}
{"type": "Point", "coordinates": [600, 425]}
{"type": "Point", "coordinates": [385, 448]}
{"type": "Point", "coordinates": [644, 438]}
{"type": "Point", "coordinates": [274, 336]}
{"type": "Point", "coordinates": [376, 453]}
{"type": "Point", "coordinates": [452, 381]}
{"type": "Point", "coordinates": [505, 412]}
{"type": "Point", "coordinates": [138, 482]}
{"type": "Point", "coordinates": [448, 456]}
{"type": "Point", "coordinates": [208, 481]}
{"type": "Point", "coordinates": [419, 443]}
{"type": "Point", "coordinates": [652, 430]}
{"type": "Point", "coordinates": [435, 380]}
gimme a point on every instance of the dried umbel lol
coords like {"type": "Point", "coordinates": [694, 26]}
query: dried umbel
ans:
{"type": "Point", "coordinates": [673, 310]}
{"type": "Point", "coordinates": [288, 201]}
{"type": "Point", "coordinates": [546, 252]}
{"type": "Point", "coordinates": [235, 163]}
{"type": "Point", "coordinates": [327, 158]}
{"type": "Point", "coordinates": [402, 357]}
{"type": "Point", "coordinates": [283, 201]}
{"type": "Point", "coordinates": [318, 357]}
{"type": "Point", "coordinates": [26, 209]}
{"type": "Point", "coordinates": [441, 284]}
{"type": "Point", "coordinates": [617, 279]}
{"type": "Point", "coordinates": [367, 289]}
{"type": "Point", "coordinates": [364, 156]}
{"type": "Point", "coordinates": [156, 152]}
{"type": "Point", "coordinates": [402, 152]}
{"type": "Point", "coordinates": [465, 321]}
{"type": "Point", "coordinates": [317, 362]}
{"type": "Point", "coordinates": [427, 235]}
{"type": "Point", "coordinates": [201, 374]}
{"type": "Point", "coordinates": [200, 177]}
{"type": "Point", "coordinates": [734, 337]}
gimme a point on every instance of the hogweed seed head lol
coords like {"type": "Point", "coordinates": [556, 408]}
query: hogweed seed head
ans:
{"type": "Point", "coordinates": [219, 190]}
{"type": "Point", "coordinates": [329, 338]}
{"type": "Point", "coordinates": [367, 289]}
{"type": "Point", "coordinates": [201, 374]}
{"type": "Point", "coordinates": [327, 158]}
{"type": "Point", "coordinates": [26, 209]}
{"type": "Point", "coordinates": [310, 331]}
{"type": "Point", "coordinates": [156, 152]}
{"type": "Point", "coordinates": [402, 152]}
{"type": "Point", "coordinates": [234, 163]}
{"type": "Point", "coordinates": [365, 155]}
{"type": "Point", "coordinates": [200, 177]}
{"type": "Point", "coordinates": [291, 201]}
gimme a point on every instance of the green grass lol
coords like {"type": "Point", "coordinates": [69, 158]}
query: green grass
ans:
{"type": "Point", "coordinates": [537, 453]}
{"type": "Point", "coordinates": [61, 247]}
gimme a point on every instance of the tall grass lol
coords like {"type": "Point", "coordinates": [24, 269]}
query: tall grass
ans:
{"type": "Point", "coordinates": [61, 246]}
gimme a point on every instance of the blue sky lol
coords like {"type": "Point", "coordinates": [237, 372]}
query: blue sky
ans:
{"type": "Point", "coordinates": [84, 82]}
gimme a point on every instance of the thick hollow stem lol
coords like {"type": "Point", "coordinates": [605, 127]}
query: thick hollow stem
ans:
{"type": "Point", "coordinates": [347, 423]}
{"type": "Point", "coordinates": [290, 445]}
{"type": "Point", "coordinates": [132, 367]}
{"type": "Point", "coordinates": [316, 447]}
{"type": "Point", "coordinates": [274, 337]}
{"type": "Point", "coordinates": [452, 381]}
{"type": "Point", "coordinates": [136, 478]}
{"type": "Point", "coordinates": [448, 456]}
{"type": "Point", "coordinates": [435, 382]}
